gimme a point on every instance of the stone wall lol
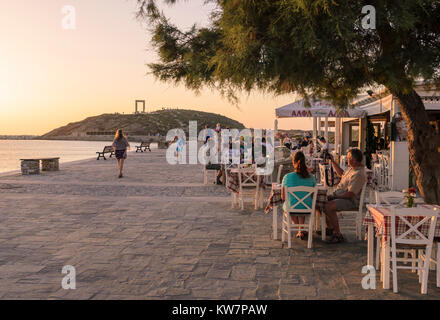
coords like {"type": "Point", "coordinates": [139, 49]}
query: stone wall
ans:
{"type": "Point", "coordinates": [30, 167]}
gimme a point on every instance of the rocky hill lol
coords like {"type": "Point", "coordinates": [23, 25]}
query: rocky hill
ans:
{"type": "Point", "coordinates": [148, 124]}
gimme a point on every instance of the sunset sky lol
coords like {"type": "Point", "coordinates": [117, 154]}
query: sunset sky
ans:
{"type": "Point", "coordinates": [50, 76]}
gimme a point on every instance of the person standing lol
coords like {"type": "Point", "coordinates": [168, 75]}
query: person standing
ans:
{"type": "Point", "coordinates": [208, 134]}
{"type": "Point", "coordinates": [120, 146]}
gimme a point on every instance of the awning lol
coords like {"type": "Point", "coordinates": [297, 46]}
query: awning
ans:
{"type": "Point", "coordinates": [318, 108]}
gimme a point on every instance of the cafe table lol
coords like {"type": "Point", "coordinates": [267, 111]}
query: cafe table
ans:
{"type": "Point", "coordinates": [379, 218]}
{"type": "Point", "coordinates": [275, 200]}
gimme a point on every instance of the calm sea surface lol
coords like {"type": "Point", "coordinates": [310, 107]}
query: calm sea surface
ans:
{"type": "Point", "coordinates": [11, 151]}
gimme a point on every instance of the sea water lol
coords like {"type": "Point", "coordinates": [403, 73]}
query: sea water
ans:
{"type": "Point", "coordinates": [11, 151]}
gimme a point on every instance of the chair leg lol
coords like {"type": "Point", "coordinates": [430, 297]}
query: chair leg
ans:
{"type": "Point", "coordinates": [420, 264]}
{"type": "Point", "coordinates": [323, 227]}
{"type": "Point", "coordinates": [289, 231]}
{"type": "Point", "coordinates": [378, 248]}
{"type": "Point", "coordinates": [426, 269]}
{"type": "Point", "coordinates": [358, 227]}
{"type": "Point", "coordinates": [382, 259]}
{"type": "Point", "coordinates": [437, 267]}
{"type": "Point", "coordinates": [394, 270]}
{"type": "Point", "coordinates": [311, 224]}
{"type": "Point", "coordinates": [413, 263]}
{"type": "Point", "coordinates": [283, 229]}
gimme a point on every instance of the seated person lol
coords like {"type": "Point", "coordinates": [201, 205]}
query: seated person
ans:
{"type": "Point", "coordinates": [324, 148]}
{"type": "Point", "coordinates": [300, 177]}
{"type": "Point", "coordinates": [305, 142]}
{"type": "Point", "coordinates": [347, 194]}
{"type": "Point", "coordinates": [287, 142]}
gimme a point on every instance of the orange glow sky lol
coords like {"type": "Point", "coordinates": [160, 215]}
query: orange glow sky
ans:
{"type": "Point", "coordinates": [50, 76]}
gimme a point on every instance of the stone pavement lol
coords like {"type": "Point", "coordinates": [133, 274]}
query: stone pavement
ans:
{"type": "Point", "coordinates": [159, 233]}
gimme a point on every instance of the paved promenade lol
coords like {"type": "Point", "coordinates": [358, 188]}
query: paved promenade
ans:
{"type": "Point", "coordinates": [159, 233]}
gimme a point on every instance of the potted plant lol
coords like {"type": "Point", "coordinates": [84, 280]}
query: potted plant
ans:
{"type": "Point", "coordinates": [410, 195]}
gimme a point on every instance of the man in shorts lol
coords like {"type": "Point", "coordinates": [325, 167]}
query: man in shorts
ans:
{"type": "Point", "coordinates": [347, 194]}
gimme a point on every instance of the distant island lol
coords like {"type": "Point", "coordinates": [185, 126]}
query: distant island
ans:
{"type": "Point", "coordinates": [138, 126]}
{"type": "Point", "coordinates": [151, 126]}
{"type": "Point", "coordinates": [18, 137]}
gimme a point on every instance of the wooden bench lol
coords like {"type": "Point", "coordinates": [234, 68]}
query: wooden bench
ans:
{"type": "Point", "coordinates": [32, 166]}
{"type": "Point", "coordinates": [107, 149]}
{"type": "Point", "coordinates": [143, 147]}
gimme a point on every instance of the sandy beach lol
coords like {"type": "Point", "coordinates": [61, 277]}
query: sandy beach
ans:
{"type": "Point", "coordinates": [159, 233]}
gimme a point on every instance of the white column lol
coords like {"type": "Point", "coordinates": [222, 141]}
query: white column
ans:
{"type": "Point", "coordinates": [326, 129]}
{"type": "Point", "coordinates": [337, 136]}
{"type": "Point", "coordinates": [319, 127]}
{"type": "Point", "coordinates": [399, 157]}
{"type": "Point", "coordinates": [275, 127]}
{"type": "Point", "coordinates": [314, 132]}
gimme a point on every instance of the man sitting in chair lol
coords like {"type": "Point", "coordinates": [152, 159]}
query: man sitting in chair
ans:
{"type": "Point", "coordinates": [347, 194]}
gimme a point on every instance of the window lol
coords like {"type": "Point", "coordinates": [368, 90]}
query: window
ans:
{"type": "Point", "coordinates": [354, 135]}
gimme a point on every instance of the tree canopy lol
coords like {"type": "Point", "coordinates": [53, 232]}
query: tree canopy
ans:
{"type": "Point", "coordinates": [317, 48]}
{"type": "Point", "coordinates": [311, 47]}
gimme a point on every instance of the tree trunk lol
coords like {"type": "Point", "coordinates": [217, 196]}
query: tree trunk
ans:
{"type": "Point", "coordinates": [423, 144]}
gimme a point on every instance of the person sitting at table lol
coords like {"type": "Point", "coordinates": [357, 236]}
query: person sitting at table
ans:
{"type": "Point", "coordinates": [347, 194]}
{"type": "Point", "coordinates": [287, 142]}
{"type": "Point", "coordinates": [299, 177]}
{"type": "Point", "coordinates": [305, 142]}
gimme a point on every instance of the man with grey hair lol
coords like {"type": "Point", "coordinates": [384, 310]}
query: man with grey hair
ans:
{"type": "Point", "coordinates": [347, 194]}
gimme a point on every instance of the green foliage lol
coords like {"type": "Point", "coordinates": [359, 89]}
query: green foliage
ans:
{"type": "Point", "coordinates": [313, 47]}
{"type": "Point", "coordinates": [370, 145]}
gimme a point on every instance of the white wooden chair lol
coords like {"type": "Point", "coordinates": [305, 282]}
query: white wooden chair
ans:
{"type": "Point", "coordinates": [206, 174]}
{"type": "Point", "coordinates": [322, 168]}
{"type": "Point", "coordinates": [412, 238]}
{"type": "Point", "coordinates": [434, 260]}
{"type": "Point", "coordinates": [280, 170]}
{"type": "Point", "coordinates": [249, 185]}
{"type": "Point", "coordinates": [307, 211]}
{"type": "Point", "coordinates": [389, 198]}
{"type": "Point", "coordinates": [377, 174]}
{"type": "Point", "coordinates": [343, 162]}
{"type": "Point", "coordinates": [228, 168]}
{"type": "Point", "coordinates": [356, 213]}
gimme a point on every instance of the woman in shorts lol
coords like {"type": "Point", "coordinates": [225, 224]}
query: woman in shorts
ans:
{"type": "Point", "coordinates": [120, 145]}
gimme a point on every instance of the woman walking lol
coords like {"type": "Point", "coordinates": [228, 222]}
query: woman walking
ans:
{"type": "Point", "coordinates": [120, 145]}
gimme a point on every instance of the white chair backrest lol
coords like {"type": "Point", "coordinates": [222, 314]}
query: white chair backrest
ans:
{"type": "Point", "coordinates": [383, 200]}
{"type": "Point", "coordinates": [343, 164]}
{"type": "Point", "coordinates": [413, 218]}
{"type": "Point", "coordinates": [292, 192]}
{"type": "Point", "coordinates": [280, 169]}
{"type": "Point", "coordinates": [362, 198]}
{"type": "Point", "coordinates": [247, 177]}
{"type": "Point", "coordinates": [246, 166]}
